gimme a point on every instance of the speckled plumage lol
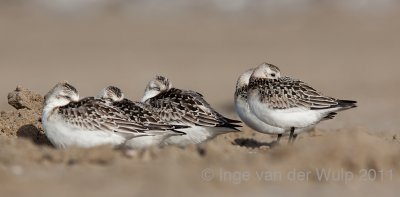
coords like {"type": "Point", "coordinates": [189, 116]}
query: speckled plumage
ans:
{"type": "Point", "coordinates": [70, 121]}
{"type": "Point", "coordinates": [285, 93]}
{"type": "Point", "coordinates": [189, 107]}
{"type": "Point", "coordinates": [241, 92]}
{"type": "Point", "coordinates": [289, 103]}
{"type": "Point", "coordinates": [94, 114]}
{"type": "Point", "coordinates": [141, 113]}
{"type": "Point", "coordinates": [186, 107]}
{"type": "Point", "coordinates": [249, 118]}
{"type": "Point", "coordinates": [163, 80]}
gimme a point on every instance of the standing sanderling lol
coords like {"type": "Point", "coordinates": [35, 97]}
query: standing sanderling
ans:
{"type": "Point", "coordinates": [68, 121]}
{"type": "Point", "coordinates": [245, 114]}
{"type": "Point", "coordinates": [186, 107]}
{"type": "Point", "coordinates": [289, 103]}
{"type": "Point", "coordinates": [140, 113]}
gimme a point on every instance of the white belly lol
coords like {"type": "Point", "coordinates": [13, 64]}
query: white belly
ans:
{"type": "Point", "coordinates": [195, 135]}
{"type": "Point", "coordinates": [285, 118]}
{"type": "Point", "coordinates": [251, 120]}
{"type": "Point", "coordinates": [145, 141]}
{"type": "Point", "coordinates": [243, 110]}
{"type": "Point", "coordinates": [62, 135]}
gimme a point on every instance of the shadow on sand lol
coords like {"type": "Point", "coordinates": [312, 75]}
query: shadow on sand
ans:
{"type": "Point", "coordinates": [31, 132]}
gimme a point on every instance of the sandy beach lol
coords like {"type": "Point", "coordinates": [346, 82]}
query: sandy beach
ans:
{"type": "Point", "coordinates": [348, 52]}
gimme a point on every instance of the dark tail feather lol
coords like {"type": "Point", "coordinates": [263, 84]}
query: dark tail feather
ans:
{"type": "Point", "coordinates": [232, 120]}
{"type": "Point", "coordinates": [180, 126]}
{"type": "Point", "coordinates": [174, 129]}
{"type": "Point", "coordinates": [230, 125]}
{"type": "Point", "coordinates": [347, 104]}
{"type": "Point", "coordinates": [178, 132]}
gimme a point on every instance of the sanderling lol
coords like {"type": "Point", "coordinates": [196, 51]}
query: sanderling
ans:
{"type": "Point", "coordinates": [245, 114]}
{"type": "Point", "coordinates": [111, 94]}
{"type": "Point", "coordinates": [186, 107]}
{"type": "Point", "coordinates": [68, 121]}
{"type": "Point", "coordinates": [289, 103]}
{"type": "Point", "coordinates": [140, 113]}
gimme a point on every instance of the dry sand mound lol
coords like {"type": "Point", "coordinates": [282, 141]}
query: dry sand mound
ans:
{"type": "Point", "coordinates": [239, 163]}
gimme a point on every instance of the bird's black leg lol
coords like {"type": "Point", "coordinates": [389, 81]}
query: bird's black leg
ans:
{"type": "Point", "coordinates": [294, 138]}
{"type": "Point", "coordinates": [291, 135]}
{"type": "Point", "coordinates": [279, 138]}
{"type": "Point", "coordinates": [276, 142]}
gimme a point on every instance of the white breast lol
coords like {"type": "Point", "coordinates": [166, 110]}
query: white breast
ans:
{"type": "Point", "coordinates": [63, 135]}
{"type": "Point", "coordinates": [145, 141]}
{"type": "Point", "coordinates": [243, 110]}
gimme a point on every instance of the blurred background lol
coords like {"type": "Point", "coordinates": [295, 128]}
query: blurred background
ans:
{"type": "Point", "coordinates": [349, 49]}
{"type": "Point", "coordinates": [345, 49]}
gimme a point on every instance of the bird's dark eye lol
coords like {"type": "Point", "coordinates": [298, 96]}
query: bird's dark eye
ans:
{"type": "Point", "coordinates": [273, 74]}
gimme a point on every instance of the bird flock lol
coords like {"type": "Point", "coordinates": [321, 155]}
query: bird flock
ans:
{"type": "Point", "coordinates": [264, 100]}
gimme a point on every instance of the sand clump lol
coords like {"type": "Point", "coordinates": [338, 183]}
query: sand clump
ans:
{"type": "Point", "coordinates": [24, 121]}
{"type": "Point", "coordinates": [22, 98]}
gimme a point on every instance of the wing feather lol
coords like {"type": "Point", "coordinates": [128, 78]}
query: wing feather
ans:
{"type": "Point", "coordinates": [285, 93]}
{"type": "Point", "coordinates": [141, 114]}
{"type": "Point", "coordinates": [93, 114]}
{"type": "Point", "coordinates": [187, 107]}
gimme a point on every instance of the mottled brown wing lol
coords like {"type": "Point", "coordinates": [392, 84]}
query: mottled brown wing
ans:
{"type": "Point", "coordinates": [141, 114]}
{"type": "Point", "coordinates": [93, 114]}
{"type": "Point", "coordinates": [285, 93]}
{"type": "Point", "coordinates": [187, 107]}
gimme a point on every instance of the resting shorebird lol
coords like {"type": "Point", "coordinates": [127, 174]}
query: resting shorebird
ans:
{"type": "Point", "coordinates": [249, 118]}
{"type": "Point", "coordinates": [140, 113]}
{"type": "Point", "coordinates": [186, 107]}
{"type": "Point", "coordinates": [289, 103]}
{"type": "Point", "coordinates": [68, 121]}
{"type": "Point", "coordinates": [111, 94]}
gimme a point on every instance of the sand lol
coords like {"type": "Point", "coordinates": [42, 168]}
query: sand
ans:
{"type": "Point", "coordinates": [347, 158]}
{"type": "Point", "coordinates": [349, 54]}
